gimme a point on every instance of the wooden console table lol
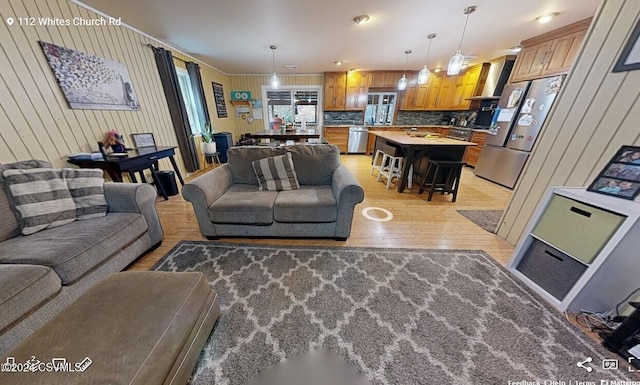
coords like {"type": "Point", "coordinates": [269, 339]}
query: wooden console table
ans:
{"type": "Point", "coordinates": [136, 160]}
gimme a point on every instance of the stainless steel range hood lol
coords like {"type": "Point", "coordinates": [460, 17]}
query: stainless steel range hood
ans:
{"type": "Point", "coordinates": [497, 77]}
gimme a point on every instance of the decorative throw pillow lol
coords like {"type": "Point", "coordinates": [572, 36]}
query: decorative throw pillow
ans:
{"type": "Point", "coordinates": [276, 173]}
{"type": "Point", "coordinates": [87, 190]}
{"type": "Point", "coordinates": [41, 197]}
{"type": "Point", "coordinates": [10, 223]}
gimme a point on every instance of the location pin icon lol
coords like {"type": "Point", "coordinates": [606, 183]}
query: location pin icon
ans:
{"type": "Point", "coordinates": [10, 20]}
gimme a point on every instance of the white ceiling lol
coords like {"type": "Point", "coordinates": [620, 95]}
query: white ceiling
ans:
{"type": "Point", "coordinates": [234, 35]}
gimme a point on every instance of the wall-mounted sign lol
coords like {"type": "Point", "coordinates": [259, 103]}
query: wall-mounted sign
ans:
{"type": "Point", "coordinates": [218, 95]}
{"type": "Point", "coordinates": [240, 95]}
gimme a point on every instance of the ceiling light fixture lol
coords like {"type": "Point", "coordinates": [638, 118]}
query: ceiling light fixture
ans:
{"type": "Point", "coordinates": [455, 63]}
{"type": "Point", "coordinates": [437, 69]}
{"type": "Point", "coordinates": [338, 62]}
{"type": "Point", "coordinates": [402, 84]}
{"type": "Point", "coordinates": [516, 48]}
{"type": "Point", "coordinates": [546, 17]}
{"type": "Point", "coordinates": [275, 81]}
{"type": "Point", "coordinates": [423, 75]}
{"type": "Point", "coordinates": [361, 19]}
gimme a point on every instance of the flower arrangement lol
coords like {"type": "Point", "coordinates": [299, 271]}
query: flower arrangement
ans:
{"type": "Point", "coordinates": [115, 141]}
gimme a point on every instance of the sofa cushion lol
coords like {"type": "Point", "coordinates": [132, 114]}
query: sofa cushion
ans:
{"type": "Point", "coordinates": [315, 163]}
{"type": "Point", "coordinates": [137, 328]}
{"type": "Point", "coordinates": [87, 190]}
{"type": "Point", "coordinates": [22, 288]}
{"type": "Point", "coordinates": [10, 223]}
{"type": "Point", "coordinates": [240, 159]}
{"type": "Point", "coordinates": [307, 205]}
{"type": "Point", "coordinates": [276, 173]}
{"type": "Point", "coordinates": [244, 204]}
{"type": "Point", "coordinates": [41, 198]}
{"type": "Point", "coordinates": [75, 249]}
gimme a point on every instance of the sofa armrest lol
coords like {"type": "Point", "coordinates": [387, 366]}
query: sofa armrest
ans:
{"type": "Point", "coordinates": [135, 198]}
{"type": "Point", "coordinates": [348, 193]}
{"type": "Point", "coordinates": [203, 191]}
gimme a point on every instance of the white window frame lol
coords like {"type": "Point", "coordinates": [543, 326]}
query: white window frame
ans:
{"type": "Point", "coordinates": [265, 101]}
{"type": "Point", "coordinates": [189, 102]}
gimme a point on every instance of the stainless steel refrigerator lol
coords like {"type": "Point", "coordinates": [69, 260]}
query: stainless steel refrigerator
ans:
{"type": "Point", "coordinates": [522, 110]}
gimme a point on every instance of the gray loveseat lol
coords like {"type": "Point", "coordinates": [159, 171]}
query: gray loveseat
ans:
{"type": "Point", "coordinates": [42, 273]}
{"type": "Point", "coordinates": [227, 200]}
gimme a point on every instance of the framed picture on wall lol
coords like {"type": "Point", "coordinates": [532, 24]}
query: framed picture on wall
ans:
{"type": "Point", "coordinates": [144, 140]}
{"type": "Point", "coordinates": [621, 176]}
{"type": "Point", "coordinates": [630, 57]}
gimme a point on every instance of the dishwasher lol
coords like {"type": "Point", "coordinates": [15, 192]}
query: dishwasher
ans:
{"type": "Point", "coordinates": [358, 137]}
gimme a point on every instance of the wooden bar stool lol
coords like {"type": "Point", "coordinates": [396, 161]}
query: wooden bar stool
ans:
{"type": "Point", "coordinates": [391, 167]}
{"type": "Point", "coordinates": [449, 170]}
{"type": "Point", "coordinates": [375, 165]}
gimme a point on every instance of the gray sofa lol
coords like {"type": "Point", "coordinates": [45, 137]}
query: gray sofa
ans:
{"type": "Point", "coordinates": [42, 273]}
{"type": "Point", "coordinates": [227, 200]}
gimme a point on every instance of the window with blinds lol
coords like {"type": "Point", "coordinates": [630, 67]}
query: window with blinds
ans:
{"type": "Point", "coordinates": [293, 106]}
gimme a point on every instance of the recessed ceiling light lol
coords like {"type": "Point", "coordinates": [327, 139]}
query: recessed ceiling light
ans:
{"type": "Point", "coordinates": [546, 17]}
{"type": "Point", "coordinates": [352, 69]}
{"type": "Point", "coordinates": [360, 19]}
{"type": "Point", "coordinates": [338, 62]}
{"type": "Point", "coordinates": [290, 66]}
{"type": "Point", "coordinates": [516, 48]}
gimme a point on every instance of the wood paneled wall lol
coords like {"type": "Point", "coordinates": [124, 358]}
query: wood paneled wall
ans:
{"type": "Point", "coordinates": [254, 84]}
{"type": "Point", "coordinates": [35, 119]}
{"type": "Point", "coordinates": [597, 112]}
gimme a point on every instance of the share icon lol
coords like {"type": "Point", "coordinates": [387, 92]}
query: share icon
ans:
{"type": "Point", "coordinates": [581, 364]}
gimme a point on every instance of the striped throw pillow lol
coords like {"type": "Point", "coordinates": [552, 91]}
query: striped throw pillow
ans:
{"type": "Point", "coordinates": [276, 173]}
{"type": "Point", "coordinates": [41, 197]}
{"type": "Point", "coordinates": [87, 190]}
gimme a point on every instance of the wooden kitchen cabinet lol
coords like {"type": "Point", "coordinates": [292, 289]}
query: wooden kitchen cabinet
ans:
{"type": "Point", "coordinates": [472, 153]}
{"type": "Point", "coordinates": [384, 79]}
{"type": "Point", "coordinates": [430, 101]}
{"type": "Point", "coordinates": [564, 52]}
{"type": "Point", "coordinates": [335, 87]}
{"type": "Point", "coordinates": [357, 89]}
{"type": "Point", "coordinates": [338, 136]}
{"type": "Point", "coordinates": [551, 53]}
{"type": "Point", "coordinates": [409, 98]}
{"type": "Point", "coordinates": [530, 62]}
{"type": "Point", "coordinates": [446, 93]}
{"type": "Point", "coordinates": [472, 83]}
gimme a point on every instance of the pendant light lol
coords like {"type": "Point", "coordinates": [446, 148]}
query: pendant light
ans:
{"type": "Point", "coordinates": [275, 81]}
{"type": "Point", "coordinates": [423, 75]}
{"type": "Point", "coordinates": [402, 84]}
{"type": "Point", "coordinates": [456, 61]}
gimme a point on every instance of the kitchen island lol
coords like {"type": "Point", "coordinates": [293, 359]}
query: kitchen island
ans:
{"type": "Point", "coordinates": [339, 133]}
{"type": "Point", "coordinates": [415, 148]}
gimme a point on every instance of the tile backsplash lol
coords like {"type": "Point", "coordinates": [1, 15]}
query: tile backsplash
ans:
{"type": "Point", "coordinates": [427, 117]}
{"type": "Point", "coordinates": [402, 117]}
{"type": "Point", "coordinates": [343, 117]}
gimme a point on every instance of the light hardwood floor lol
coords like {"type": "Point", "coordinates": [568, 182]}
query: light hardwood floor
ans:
{"type": "Point", "coordinates": [416, 222]}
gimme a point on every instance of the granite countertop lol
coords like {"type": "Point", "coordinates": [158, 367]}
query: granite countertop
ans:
{"type": "Point", "coordinates": [393, 125]}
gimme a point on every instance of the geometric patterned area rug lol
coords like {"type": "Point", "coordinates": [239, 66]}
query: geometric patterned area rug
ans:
{"type": "Point", "coordinates": [487, 219]}
{"type": "Point", "coordinates": [400, 316]}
